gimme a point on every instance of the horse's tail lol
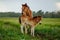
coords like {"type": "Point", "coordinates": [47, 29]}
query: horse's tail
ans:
{"type": "Point", "coordinates": [20, 19]}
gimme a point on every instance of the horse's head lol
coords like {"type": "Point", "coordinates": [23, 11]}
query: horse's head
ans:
{"type": "Point", "coordinates": [37, 19]}
{"type": "Point", "coordinates": [26, 10]}
{"type": "Point", "coordinates": [24, 7]}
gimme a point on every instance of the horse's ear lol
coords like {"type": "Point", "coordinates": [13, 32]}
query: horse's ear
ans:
{"type": "Point", "coordinates": [25, 3]}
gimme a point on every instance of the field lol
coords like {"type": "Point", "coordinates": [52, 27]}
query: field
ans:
{"type": "Point", "coordinates": [48, 30]}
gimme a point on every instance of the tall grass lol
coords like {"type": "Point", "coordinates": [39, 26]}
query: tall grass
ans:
{"type": "Point", "coordinates": [48, 30]}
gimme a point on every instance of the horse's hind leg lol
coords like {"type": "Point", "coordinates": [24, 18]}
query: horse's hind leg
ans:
{"type": "Point", "coordinates": [32, 31]}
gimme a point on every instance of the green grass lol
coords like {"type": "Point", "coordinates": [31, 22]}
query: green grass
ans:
{"type": "Point", "coordinates": [48, 30]}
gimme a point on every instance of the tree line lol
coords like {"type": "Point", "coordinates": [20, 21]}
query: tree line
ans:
{"type": "Point", "coordinates": [9, 14]}
{"type": "Point", "coordinates": [46, 14]}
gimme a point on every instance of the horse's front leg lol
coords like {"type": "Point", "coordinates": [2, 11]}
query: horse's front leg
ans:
{"type": "Point", "coordinates": [22, 28]}
{"type": "Point", "coordinates": [32, 31]}
{"type": "Point", "coordinates": [26, 29]}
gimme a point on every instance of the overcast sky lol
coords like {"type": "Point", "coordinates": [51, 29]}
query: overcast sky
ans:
{"type": "Point", "coordinates": [35, 5]}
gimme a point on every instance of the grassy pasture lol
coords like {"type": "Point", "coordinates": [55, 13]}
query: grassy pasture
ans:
{"type": "Point", "coordinates": [48, 30]}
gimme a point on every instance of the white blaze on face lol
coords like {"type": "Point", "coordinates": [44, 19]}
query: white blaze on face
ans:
{"type": "Point", "coordinates": [58, 5]}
